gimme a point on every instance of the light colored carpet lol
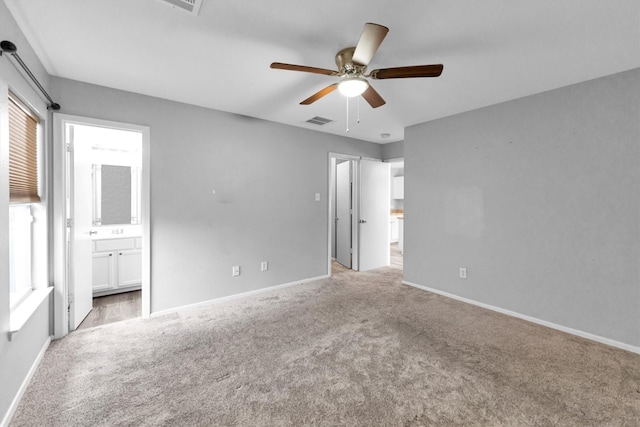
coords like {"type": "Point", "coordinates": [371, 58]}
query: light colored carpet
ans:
{"type": "Point", "coordinates": [359, 349]}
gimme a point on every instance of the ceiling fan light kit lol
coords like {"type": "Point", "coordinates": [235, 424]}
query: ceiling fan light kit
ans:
{"type": "Point", "coordinates": [352, 87]}
{"type": "Point", "coordinates": [352, 65]}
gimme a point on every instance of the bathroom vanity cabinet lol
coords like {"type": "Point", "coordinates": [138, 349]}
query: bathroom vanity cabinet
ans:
{"type": "Point", "coordinates": [117, 265]}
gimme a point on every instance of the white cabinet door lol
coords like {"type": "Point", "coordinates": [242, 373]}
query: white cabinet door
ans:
{"type": "Point", "coordinates": [129, 268]}
{"type": "Point", "coordinates": [117, 266]}
{"type": "Point", "coordinates": [103, 271]}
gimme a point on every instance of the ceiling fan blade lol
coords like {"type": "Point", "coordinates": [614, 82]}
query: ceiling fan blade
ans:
{"type": "Point", "coordinates": [373, 98]}
{"type": "Point", "coordinates": [304, 68]}
{"type": "Point", "coordinates": [404, 72]}
{"type": "Point", "coordinates": [313, 98]}
{"type": "Point", "coordinates": [369, 42]}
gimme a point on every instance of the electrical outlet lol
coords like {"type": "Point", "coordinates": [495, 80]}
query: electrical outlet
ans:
{"type": "Point", "coordinates": [317, 197]}
{"type": "Point", "coordinates": [235, 270]}
{"type": "Point", "coordinates": [264, 266]}
{"type": "Point", "coordinates": [463, 273]}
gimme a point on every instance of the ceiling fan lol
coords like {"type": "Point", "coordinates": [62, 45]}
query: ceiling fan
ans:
{"type": "Point", "coordinates": [352, 66]}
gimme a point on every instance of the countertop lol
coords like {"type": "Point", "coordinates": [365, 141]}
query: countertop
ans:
{"type": "Point", "coordinates": [116, 232]}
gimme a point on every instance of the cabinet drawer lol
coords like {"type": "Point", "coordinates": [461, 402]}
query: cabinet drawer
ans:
{"type": "Point", "coordinates": [114, 244]}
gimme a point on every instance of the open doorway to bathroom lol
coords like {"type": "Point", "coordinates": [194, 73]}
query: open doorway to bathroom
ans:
{"type": "Point", "coordinates": [103, 262]}
{"type": "Point", "coordinates": [113, 184]}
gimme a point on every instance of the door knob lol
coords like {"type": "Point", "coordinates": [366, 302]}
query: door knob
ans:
{"type": "Point", "coordinates": [93, 232]}
{"type": "Point", "coordinates": [363, 221]}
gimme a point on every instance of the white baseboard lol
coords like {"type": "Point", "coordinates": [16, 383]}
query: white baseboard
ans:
{"type": "Point", "coordinates": [237, 296]}
{"type": "Point", "coordinates": [571, 331]}
{"type": "Point", "coordinates": [25, 383]}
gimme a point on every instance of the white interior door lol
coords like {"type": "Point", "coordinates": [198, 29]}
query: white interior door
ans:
{"type": "Point", "coordinates": [343, 213]}
{"type": "Point", "coordinates": [80, 265]}
{"type": "Point", "coordinates": [374, 215]}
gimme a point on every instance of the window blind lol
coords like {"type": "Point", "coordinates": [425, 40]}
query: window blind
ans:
{"type": "Point", "coordinates": [23, 153]}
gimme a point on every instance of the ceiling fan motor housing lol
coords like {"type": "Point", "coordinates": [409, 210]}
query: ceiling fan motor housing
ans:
{"type": "Point", "coordinates": [344, 61]}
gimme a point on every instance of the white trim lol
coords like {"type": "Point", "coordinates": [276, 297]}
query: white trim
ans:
{"type": "Point", "coordinates": [355, 197]}
{"type": "Point", "coordinates": [236, 296]}
{"type": "Point", "coordinates": [23, 311]}
{"type": "Point", "coordinates": [59, 232]}
{"type": "Point", "coordinates": [25, 383]}
{"type": "Point", "coordinates": [394, 160]}
{"type": "Point", "coordinates": [577, 332]}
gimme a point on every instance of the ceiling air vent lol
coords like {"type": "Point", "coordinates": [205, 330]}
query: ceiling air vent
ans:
{"type": "Point", "coordinates": [191, 6]}
{"type": "Point", "coordinates": [319, 121]}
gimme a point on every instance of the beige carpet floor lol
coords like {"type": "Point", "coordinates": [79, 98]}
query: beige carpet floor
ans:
{"type": "Point", "coordinates": [359, 349]}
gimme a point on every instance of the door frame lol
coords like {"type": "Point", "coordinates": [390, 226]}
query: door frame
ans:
{"type": "Point", "coordinates": [343, 213]}
{"type": "Point", "coordinates": [60, 213]}
{"type": "Point", "coordinates": [355, 197]}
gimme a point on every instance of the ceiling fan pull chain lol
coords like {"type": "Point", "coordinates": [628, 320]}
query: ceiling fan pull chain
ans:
{"type": "Point", "coordinates": [347, 114]}
{"type": "Point", "coordinates": [358, 119]}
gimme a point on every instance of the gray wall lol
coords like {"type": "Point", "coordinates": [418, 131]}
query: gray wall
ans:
{"type": "Point", "coordinates": [265, 177]}
{"type": "Point", "coordinates": [16, 356]}
{"type": "Point", "coordinates": [540, 199]}
{"type": "Point", "coordinates": [394, 150]}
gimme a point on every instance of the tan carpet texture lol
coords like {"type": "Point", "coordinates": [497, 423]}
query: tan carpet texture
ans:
{"type": "Point", "coordinates": [359, 349]}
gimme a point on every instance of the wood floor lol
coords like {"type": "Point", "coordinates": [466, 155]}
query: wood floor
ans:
{"type": "Point", "coordinates": [397, 261]}
{"type": "Point", "coordinates": [113, 308]}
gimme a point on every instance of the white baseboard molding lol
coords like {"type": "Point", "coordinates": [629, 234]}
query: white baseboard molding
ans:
{"type": "Point", "coordinates": [25, 383]}
{"type": "Point", "coordinates": [551, 325]}
{"type": "Point", "coordinates": [237, 296]}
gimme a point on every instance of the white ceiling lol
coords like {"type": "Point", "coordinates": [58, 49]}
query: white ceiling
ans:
{"type": "Point", "coordinates": [492, 51]}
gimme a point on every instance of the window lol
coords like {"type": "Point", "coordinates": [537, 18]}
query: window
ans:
{"type": "Point", "coordinates": [23, 153]}
{"type": "Point", "coordinates": [20, 220]}
{"type": "Point", "coordinates": [23, 196]}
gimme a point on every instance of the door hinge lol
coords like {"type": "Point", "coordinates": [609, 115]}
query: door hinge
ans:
{"type": "Point", "coordinates": [69, 222]}
{"type": "Point", "coordinates": [69, 147]}
{"type": "Point", "coordinates": [70, 299]}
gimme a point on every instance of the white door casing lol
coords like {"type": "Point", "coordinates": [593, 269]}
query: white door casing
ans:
{"type": "Point", "coordinates": [374, 211]}
{"type": "Point", "coordinates": [80, 283]}
{"type": "Point", "coordinates": [343, 213]}
{"type": "Point", "coordinates": [62, 210]}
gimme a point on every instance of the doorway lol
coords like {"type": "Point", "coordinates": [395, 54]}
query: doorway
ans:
{"type": "Point", "coordinates": [358, 213]}
{"type": "Point", "coordinates": [343, 220]}
{"type": "Point", "coordinates": [104, 211]}
{"type": "Point", "coordinates": [396, 218]}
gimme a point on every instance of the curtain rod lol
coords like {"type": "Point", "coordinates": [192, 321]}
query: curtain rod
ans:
{"type": "Point", "coordinates": [10, 48]}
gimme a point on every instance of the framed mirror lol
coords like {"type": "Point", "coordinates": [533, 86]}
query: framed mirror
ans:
{"type": "Point", "coordinates": [116, 198]}
{"type": "Point", "coordinates": [116, 157]}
